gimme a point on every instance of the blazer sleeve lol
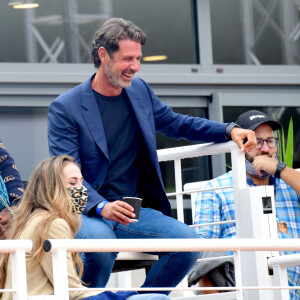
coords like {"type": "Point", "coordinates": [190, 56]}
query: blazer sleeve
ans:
{"type": "Point", "coordinates": [59, 229]}
{"type": "Point", "coordinates": [63, 138]}
{"type": "Point", "coordinates": [180, 126]}
{"type": "Point", "coordinates": [11, 176]}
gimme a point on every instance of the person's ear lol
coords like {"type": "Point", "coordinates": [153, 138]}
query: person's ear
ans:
{"type": "Point", "coordinates": [103, 55]}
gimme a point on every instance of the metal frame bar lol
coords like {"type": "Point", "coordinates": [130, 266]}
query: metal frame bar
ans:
{"type": "Point", "coordinates": [204, 32]}
{"type": "Point", "coordinates": [70, 20]}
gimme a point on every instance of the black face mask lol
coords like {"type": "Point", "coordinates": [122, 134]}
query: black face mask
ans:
{"type": "Point", "coordinates": [78, 197]}
{"type": "Point", "coordinates": [250, 170]}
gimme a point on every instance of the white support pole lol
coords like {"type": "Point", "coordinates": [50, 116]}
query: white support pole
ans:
{"type": "Point", "coordinates": [178, 188]}
{"type": "Point", "coordinates": [238, 274]}
{"type": "Point", "coordinates": [255, 219]}
{"type": "Point", "coordinates": [60, 274]}
{"type": "Point", "coordinates": [280, 279]}
{"type": "Point", "coordinates": [238, 169]}
{"type": "Point", "coordinates": [179, 203]}
{"type": "Point", "coordinates": [125, 279]}
{"type": "Point", "coordinates": [18, 267]}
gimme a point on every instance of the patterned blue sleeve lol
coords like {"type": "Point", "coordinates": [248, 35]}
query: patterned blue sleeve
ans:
{"type": "Point", "coordinates": [10, 175]}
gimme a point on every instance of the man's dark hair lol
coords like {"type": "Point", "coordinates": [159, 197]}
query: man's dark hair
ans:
{"type": "Point", "coordinates": [110, 33]}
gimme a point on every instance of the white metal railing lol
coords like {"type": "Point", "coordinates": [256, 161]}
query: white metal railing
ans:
{"type": "Point", "coordinates": [176, 154]}
{"type": "Point", "coordinates": [60, 247]}
{"type": "Point", "coordinates": [239, 185]}
{"type": "Point", "coordinates": [17, 250]}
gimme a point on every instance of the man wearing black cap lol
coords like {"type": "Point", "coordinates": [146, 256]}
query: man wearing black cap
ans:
{"type": "Point", "coordinates": [262, 168]}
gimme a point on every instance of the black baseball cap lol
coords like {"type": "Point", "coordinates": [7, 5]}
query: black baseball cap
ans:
{"type": "Point", "coordinates": [254, 118]}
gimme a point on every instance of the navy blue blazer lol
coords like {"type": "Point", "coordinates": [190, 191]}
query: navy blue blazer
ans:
{"type": "Point", "coordinates": [75, 128]}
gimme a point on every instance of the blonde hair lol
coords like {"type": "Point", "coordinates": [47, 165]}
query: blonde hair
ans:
{"type": "Point", "coordinates": [45, 192]}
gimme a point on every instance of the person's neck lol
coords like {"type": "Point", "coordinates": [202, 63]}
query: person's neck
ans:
{"type": "Point", "coordinates": [260, 181]}
{"type": "Point", "coordinates": [101, 85]}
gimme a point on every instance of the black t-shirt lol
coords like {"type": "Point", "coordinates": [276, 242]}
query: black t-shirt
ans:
{"type": "Point", "coordinates": [123, 137]}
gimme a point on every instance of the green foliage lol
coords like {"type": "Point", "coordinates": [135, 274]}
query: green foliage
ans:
{"type": "Point", "coordinates": [286, 146]}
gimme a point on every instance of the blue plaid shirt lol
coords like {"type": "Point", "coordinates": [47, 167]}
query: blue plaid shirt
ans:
{"type": "Point", "coordinates": [218, 205]}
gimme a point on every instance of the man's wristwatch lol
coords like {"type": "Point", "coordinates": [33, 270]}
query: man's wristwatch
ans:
{"type": "Point", "coordinates": [280, 166]}
{"type": "Point", "coordinates": [229, 127]}
{"type": "Point", "coordinates": [99, 207]}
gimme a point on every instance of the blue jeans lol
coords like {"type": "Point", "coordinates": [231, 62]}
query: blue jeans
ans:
{"type": "Point", "coordinates": [124, 296]}
{"type": "Point", "coordinates": [168, 271]}
{"type": "Point", "coordinates": [148, 297]}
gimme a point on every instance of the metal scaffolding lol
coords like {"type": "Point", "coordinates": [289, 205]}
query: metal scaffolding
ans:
{"type": "Point", "coordinates": [71, 47]}
{"type": "Point", "coordinates": [279, 16]}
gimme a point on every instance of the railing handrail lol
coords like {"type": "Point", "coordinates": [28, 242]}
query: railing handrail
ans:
{"type": "Point", "coordinates": [181, 245]}
{"type": "Point", "coordinates": [195, 150]}
{"type": "Point", "coordinates": [285, 260]}
{"type": "Point", "coordinates": [11, 246]}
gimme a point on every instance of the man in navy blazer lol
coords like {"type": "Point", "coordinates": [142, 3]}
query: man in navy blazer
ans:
{"type": "Point", "coordinates": [108, 124]}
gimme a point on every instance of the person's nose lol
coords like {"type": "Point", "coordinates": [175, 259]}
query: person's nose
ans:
{"type": "Point", "coordinates": [135, 66]}
{"type": "Point", "coordinates": [79, 184]}
{"type": "Point", "coordinates": [265, 147]}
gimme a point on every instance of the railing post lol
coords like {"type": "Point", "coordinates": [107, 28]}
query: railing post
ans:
{"type": "Point", "coordinates": [256, 218]}
{"type": "Point", "coordinates": [60, 274]}
{"type": "Point", "coordinates": [18, 267]}
{"type": "Point", "coordinates": [238, 169]}
{"type": "Point", "coordinates": [238, 274]}
{"type": "Point", "coordinates": [178, 188]}
{"type": "Point", "coordinates": [280, 279]}
{"type": "Point", "coordinates": [179, 201]}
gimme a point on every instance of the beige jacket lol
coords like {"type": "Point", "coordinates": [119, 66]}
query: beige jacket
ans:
{"type": "Point", "coordinates": [40, 279]}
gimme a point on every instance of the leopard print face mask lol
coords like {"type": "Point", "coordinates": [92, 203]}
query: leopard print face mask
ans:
{"type": "Point", "coordinates": [78, 197]}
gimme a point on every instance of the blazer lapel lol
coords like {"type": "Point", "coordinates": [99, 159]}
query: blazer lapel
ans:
{"type": "Point", "coordinates": [93, 118]}
{"type": "Point", "coordinates": [138, 105]}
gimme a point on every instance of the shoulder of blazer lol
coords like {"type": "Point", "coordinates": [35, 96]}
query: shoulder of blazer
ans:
{"type": "Point", "coordinates": [74, 95]}
{"type": "Point", "coordinates": [69, 95]}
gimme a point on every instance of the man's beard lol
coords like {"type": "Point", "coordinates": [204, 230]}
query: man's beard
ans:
{"type": "Point", "coordinates": [250, 169]}
{"type": "Point", "coordinates": [116, 80]}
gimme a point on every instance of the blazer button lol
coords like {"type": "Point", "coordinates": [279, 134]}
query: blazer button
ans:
{"type": "Point", "coordinates": [96, 186]}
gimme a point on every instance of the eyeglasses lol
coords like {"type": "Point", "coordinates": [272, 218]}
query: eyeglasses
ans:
{"type": "Point", "coordinates": [271, 142]}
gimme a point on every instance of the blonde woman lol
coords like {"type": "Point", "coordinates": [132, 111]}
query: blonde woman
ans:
{"type": "Point", "coordinates": [53, 194]}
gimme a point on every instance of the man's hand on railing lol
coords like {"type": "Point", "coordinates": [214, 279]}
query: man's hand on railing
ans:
{"type": "Point", "coordinates": [245, 138]}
